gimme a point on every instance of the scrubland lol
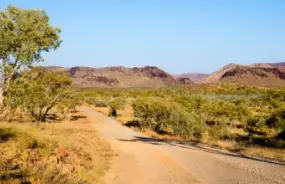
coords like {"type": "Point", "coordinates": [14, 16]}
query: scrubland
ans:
{"type": "Point", "coordinates": [30, 152]}
{"type": "Point", "coordinates": [238, 118]}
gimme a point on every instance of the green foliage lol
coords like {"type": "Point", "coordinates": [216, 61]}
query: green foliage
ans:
{"type": "Point", "coordinates": [97, 98]}
{"type": "Point", "coordinates": [24, 34]}
{"type": "Point", "coordinates": [218, 132]}
{"type": "Point", "coordinates": [204, 110]}
{"type": "Point", "coordinates": [116, 100]}
{"type": "Point", "coordinates": [255, 124]}
{"type": "Point", "coordinates": [158, 114]}
{"type": "Point", "coordinates": [98, 102]}
{"type": "Point", "coordinates": [39, 91]}
{"type": "Point", "coordinates": [117, 103]}
{"type": "Point", "coordinates": [276, 120]}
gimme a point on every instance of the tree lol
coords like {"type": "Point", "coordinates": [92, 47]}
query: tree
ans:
{"type": "Point", "coordinates": [39, 91]}
{"type": "Point", "coordinates": [115, 105]}
{"type": "Point", "coordinates": [24, 35]}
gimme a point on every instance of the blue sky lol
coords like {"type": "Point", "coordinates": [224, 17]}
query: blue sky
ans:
{"type": "Point", "coordinates": [177, 35]}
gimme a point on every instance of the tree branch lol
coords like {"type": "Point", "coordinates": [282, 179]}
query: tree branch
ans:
{"type": "Point", "coordinates": [55, 100]}
{"type": "Point", "coordinates": [16, 68]}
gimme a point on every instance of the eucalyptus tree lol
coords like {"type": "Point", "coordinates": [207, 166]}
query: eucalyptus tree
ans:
{"type": "Point", "coordinates": [38, 92]}
{"type": "Point", "coordinates": [24, 36]}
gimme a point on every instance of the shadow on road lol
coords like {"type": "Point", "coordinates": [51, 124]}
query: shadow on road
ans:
{"type": "Point", "coordinates": [197, 146]}
{"type": "Point", "coordinates": [77, 117]}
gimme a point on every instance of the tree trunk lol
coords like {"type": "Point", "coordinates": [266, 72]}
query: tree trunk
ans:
{"type": "Point", "coordinates": [4, 71]}
{"type": "Point", "coordinates": [7, 78]}
{"type": "Point", "coordinates": [47, 111]}
{"type": "Point", "coordinates": [2, 90]}
{"type": "Point", "coordinates": [1, 96]}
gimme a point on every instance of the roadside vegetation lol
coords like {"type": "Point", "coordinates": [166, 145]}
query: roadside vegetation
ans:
{"type": "Point", "coordinates": [43, 139]}
{"type": "Point", "coordinates": [40, 95]}
{"type": "Point", "coordinates": [65, 152]}
{"type": "Point", "coordinates": [234, 117]}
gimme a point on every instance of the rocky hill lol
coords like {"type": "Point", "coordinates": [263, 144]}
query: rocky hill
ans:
{"type": "Point", "coordinates": [277, 64]}
{"type": "Point", "coordinates": [195, 77]}
{"type": "Point", "coordinates": [267, 75]}
{"type": "Point", "coordinates": [258, 74]}
{"type": "Point", "coordinates": [280, 66]}
{"type": "Point", "coordinates": [121, 77]}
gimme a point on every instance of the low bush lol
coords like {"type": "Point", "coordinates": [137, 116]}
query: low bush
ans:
{"type": "Point", "coordinates": [255, 124]}
{"type": "Point", "coordinates": [158, 114]}
{"type": "Point", "coordinates": [115, 105]}
{"type": "Point", "coordinates": [99, 102]}
{"type": "Point", "coordinates": [214, 112]}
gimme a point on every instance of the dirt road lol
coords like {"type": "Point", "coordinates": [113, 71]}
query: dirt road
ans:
{"type": "Point", "coordinates": [143, 160]}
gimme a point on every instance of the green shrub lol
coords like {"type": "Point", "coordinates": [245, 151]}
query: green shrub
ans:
{"type": "Point", "coordinates": [276, 120]}
{"type": "Point", "coordinates": [38, 92]}
{"type": "Point", "coordinates": [255, 124]}
{"type": "Point", "coordinates": [158, 114]}
{"type": "Point", "coordinates": [99, 102]}
{"type": "Point", "coordinates": [193, 112]}
{"type": "Point", "coordinates": [115, 105]}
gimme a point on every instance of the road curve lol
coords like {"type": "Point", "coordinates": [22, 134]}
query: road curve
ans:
{"type": "Point", "coordinates": [144, 160]}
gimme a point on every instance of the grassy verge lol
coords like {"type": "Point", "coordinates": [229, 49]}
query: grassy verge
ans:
{"type": "Point", "coordinates": [29, 152]}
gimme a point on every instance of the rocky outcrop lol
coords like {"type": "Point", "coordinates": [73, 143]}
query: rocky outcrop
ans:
{"type": "Point", "coordinates": [153, 72]}
{"type": "Point", "coordinates": [254, 71]}
{"type": "Point", "coordinates": [184, 81]}
{"type": "Point", "coordinates": [255, 75]}
{"type": "Point", "coordinates": [121, 77]}
{"type": "Point", "coordinates": [195, 77]}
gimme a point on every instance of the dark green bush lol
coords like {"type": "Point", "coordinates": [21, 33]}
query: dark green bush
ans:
{"type": "Point", "coordinates": [255, 124]}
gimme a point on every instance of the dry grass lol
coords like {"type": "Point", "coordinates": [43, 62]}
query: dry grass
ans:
{"type": "Point", "coordinates": [103, 110]}
{"type": "Point", "coordinates": [125, 114]}
{"type": "Point", "coordinates": [278, 154]}
{"type": "Point", "coordinates": [271, 153]}
{"type": "Point", "coordinates": [28, 152]}
{"type": "Point", "coordinates": [263, 152]}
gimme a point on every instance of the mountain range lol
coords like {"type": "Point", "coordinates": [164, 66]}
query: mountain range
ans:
{"type": "Point", "coordinates": [258, 74]}
{"type": "Point", "coordinates": [121, 77]}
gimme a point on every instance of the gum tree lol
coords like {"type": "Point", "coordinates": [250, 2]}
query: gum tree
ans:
{"type": "Point", "coordinates": [38, 92]}
{"type": "Point", "coordinates": [24, 36]}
